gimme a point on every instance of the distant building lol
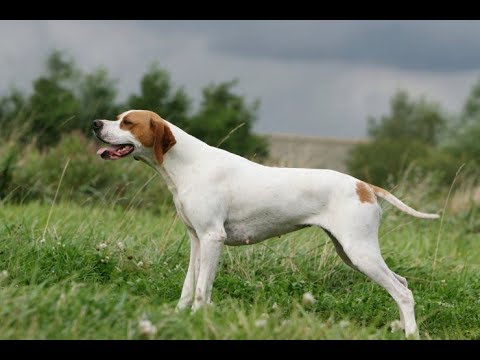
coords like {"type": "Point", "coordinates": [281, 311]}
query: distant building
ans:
{"type": "Point", "coordinates": [309, 151]}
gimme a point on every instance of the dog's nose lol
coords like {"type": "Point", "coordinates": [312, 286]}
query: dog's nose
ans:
{"type": "Point", "coordinates": [97, 125]}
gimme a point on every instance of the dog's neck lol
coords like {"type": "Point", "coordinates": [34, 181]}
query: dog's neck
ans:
{"type": "Point", "coordinates": [184, 155]}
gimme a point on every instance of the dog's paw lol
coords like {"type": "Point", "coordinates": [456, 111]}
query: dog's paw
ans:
{"type": "Point", "coordinates": [200, 305]}
{"type": "Point", "coordinates": [414, 335]}
{"type": "Point", "coordinates": [182, 306]}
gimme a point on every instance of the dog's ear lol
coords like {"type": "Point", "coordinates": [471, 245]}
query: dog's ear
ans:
{"type": "Point", "coordinates": [168, 138]}
{"type": "Point", "coordinates": [163, 138]}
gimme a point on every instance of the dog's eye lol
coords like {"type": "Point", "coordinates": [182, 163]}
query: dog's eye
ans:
{"type": "Point", "coordinates": [127, 122]}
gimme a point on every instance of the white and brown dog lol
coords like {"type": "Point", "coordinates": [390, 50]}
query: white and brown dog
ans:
{"type": "Point", "coordinates": [226, 199]}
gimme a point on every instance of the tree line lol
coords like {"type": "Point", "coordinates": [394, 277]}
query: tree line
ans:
{"type": "Point", "coordinates": [64, 99]}
{"type": "Point", "coordinates": [417, 137]}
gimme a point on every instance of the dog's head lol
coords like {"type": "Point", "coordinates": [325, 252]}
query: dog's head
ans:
{"type": "Point", "coordinates": [140, 133]}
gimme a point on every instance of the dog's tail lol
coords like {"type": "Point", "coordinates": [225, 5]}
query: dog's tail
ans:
{"type": "Point", "coordinates": [400, 205]}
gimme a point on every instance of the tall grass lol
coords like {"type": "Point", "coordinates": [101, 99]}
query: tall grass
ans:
{"type": "Point", "coordinates": [102, 270]}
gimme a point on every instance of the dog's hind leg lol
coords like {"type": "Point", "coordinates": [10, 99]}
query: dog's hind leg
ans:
{"type": "Point", "coordinates": [401, 279]}
{"type": "Point", "coordinates": [368, 260]}
{"type": "Point", "coordinates": [344, 257]}
{"type": "Point", "coordinates": [356, 241]}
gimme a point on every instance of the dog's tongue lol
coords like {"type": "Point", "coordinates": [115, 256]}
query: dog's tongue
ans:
{"type": "Point", "coordinates": [102, 150]}
{"type": "Point", "coordinates": [114, 152]}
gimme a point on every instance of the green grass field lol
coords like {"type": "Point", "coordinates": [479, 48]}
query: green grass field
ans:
{"type": "Point", "coordinates": [96, 271]}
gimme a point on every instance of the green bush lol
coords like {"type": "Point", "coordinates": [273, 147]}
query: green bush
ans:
{"type": "Point", "coordinates": [384, 161]}
{"type": "Point", "coordinates": [413, 137]}
{"type": "Point", "coordinates": [445, 165]}
{"type": "Point", "coordinates": [8, 155]}
{"type": "Point", "coordinates": [87, 178]}
{"type": "Point", "coordinates": [225, 119]}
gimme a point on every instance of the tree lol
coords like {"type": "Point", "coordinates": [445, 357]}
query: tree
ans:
{"type": "Point", "coordinates": [12, 106]}
{"type": "Point", "coordinates": [53, 103]}
{"type": "Point", "coordinates": [158, 94]}
{"type": "Point", "coordinates": [471, 109]}
{"type": "Point", "coordinates": [63, 99]}
{"type": "Point", "coordinates": [466, 132]}
{"type": "Point", "coordinates": [97, 94]}
{"type": "Point", "coordinates": [409, 135]}
{"type": "Point", "coordinates": [409, 119]}
{"type": "Point", "coordinates": [225, 119]}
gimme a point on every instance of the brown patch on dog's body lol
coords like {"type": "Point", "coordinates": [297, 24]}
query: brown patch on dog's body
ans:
{"type": "Point", "coordinates": [151, 130]}
{"type": "Point", "coordinates": [365, 193]}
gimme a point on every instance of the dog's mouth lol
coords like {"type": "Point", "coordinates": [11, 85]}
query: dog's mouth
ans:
{"type": "Point", "coordinates": [115, 152]}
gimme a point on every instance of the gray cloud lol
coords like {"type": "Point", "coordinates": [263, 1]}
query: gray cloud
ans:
{"type": "Point", "coordinates": [414, 45]}
{"type": "Point", "coordinates": [315, 95]}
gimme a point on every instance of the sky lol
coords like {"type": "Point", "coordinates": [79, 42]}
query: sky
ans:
{"type": "Point", "coordinates": [318, 78]}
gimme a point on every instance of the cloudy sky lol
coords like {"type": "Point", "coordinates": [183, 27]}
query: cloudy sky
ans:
{"type": "Point", "coordinates": [320, 78]}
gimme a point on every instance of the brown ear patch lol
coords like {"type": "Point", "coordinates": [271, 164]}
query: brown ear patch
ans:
{"type": "Point", "coordinates": [365, 193]}
{"type": "Point", "coordinates": [168, 139]}
{"type": "Point", "coordinates": [163, 138]}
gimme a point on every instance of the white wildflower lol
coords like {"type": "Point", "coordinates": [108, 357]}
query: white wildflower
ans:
{"type": "Point", "coordinates": [275, 306]}
{"type": "Point", "coordinates": [308, 299]}
{"type": "Point", "coordinates": [140, 263]}
{"type": "Point", "coordinates": [146, 328]}
{"type": "Point", "coordinates": [396, 325]}
{"type": "Point", "coordinates": [344, 323]}
{"type": "Point", "coordinates": [3, 275]}
{"type": "Point", "coordinates": [445, 304]}
{"type": "Point", "coordinates": [120, 245]}
{"type": "Point", "coordinates": [260, 323]}
{"type": "Point", "coordinates": [101, 246]}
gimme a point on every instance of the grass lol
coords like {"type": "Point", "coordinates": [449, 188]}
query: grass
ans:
{"type": "Point", "coordinates": [99, 270]}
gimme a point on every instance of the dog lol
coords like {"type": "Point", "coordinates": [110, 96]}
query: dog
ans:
{"type": "Point", "coordinates": [225, 199]}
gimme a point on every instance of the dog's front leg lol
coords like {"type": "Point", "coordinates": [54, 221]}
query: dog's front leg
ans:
{"type": "Point", "coordinates": [188, 290]}
{"type": "Point", "coordinates": [211, 244]}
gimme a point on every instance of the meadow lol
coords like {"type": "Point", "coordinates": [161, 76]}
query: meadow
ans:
{"type": "Point", "coordinates": [78, 264]}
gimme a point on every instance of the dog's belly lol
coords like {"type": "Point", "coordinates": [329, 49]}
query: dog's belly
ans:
{"type": "Point", "coordinates": [252, 232]}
